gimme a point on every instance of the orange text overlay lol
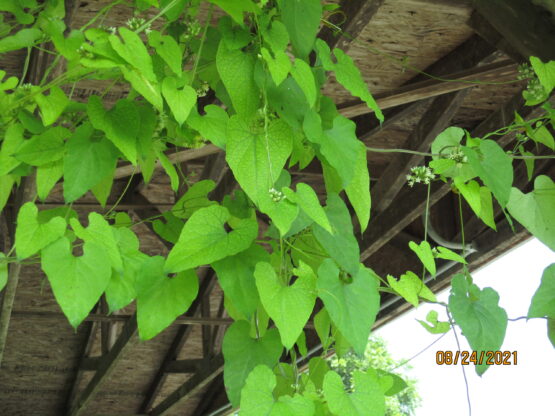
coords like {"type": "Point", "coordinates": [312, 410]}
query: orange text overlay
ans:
{"type": "Point", "coordinates": [476, 357]}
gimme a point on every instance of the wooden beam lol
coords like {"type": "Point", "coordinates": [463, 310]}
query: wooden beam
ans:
{"type": "Point", "coordinates": [185, 366]}
{"type": "Point", "coordinates": [353, 17]}
{"type": "Point", "coordinates": [495, 72]}
{"type": "Point", "coordinates": [191, 387]}
{"type": "Point", "coordinates": [106, 367]}
{"type": "Point", "coordinates": [525, 26]}
{"type": "Point", "coordinates": [435, 120]}
{"type": "Point", "coordinates": [487, 32]}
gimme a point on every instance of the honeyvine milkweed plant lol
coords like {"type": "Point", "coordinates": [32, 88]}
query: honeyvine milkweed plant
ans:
{"type": "Point", "coordinates": [265, 68]}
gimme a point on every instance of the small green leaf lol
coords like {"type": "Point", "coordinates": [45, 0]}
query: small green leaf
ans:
{"type": "Point", "coordinates": [204, 239]}
{"type": "Point", "coordinates": [170, 230]}
{"type": "Point", "coordinates": [410, 287]}
{"type": "Point", "coordinates": [52, 106]}
{"type": "Point", "coordinates": [120, 124]}
{"type": "Point", "coordinates": [276, 36]}
{"type": "Point", "coordinates": [3, 271]}
{"type": "Point", "coordinates": [494, 167]}
{"type": "Point", "coordinates": [425, 254]}
{"type": "Point", "coordinates": [236, 8]}
{"type": "Point", "coordinates": [211, 126]}
{"type": "Point", "coordinates": [482, 321]}
{"type": "Point", "coordinates": [307, 199]}
{"type": "Point", "coordinates": [348, 75]}
{"type": "Point", "coordinates": [302, 73]}
{"type": "Point", "coordinates": [367, 399]}
{"type": "Point", "coordinates": [31, 235]}
{"type": "Point", "coordinates": [168, 49]}
{"type": "Point", "coordinates": [358, 190]}
{"type": "Point", "coordinates": [551, 330]}
{"type": "Point", "coordinates": [6, 184]}
{"type": "Point", "coordinates": [445, 253]}
{"type": "Point", "coordinates": [279, 65]}
{"type": "Point", "coordinates": [352, 306]}
{"type": "Point", "coordinates": [322, 325]}
{"type": "Point", "coordinates": [302, 20]}
{"type": "Point", "coordinates": [134, 51]}
{"type": "Point", "coordinates": [543, 301]}
{"type": "Point", "coordinates": [265, 350]}
{"type": "Point", "coordinates": [87, 161]}
{"type": "Point", "coordinates": [434, 326]}
{"type": "Point", "coordinates": [45, 148]}
{"type": "Point", "coordinates": [236, 70]}
{"type": "Point", "coordinates": [257, 398]}
{"type": "Point", "coordinates": [23, 38]}
{"type": "Point", "coordinates": [194, 199]}
{"type": "Point", "coordinates": [545, 73]}
{"type": "Point", "coordinates": [170, 170]}
{"type": "Point", "coordinates": [535, 210]}
{"type": "Point", "coordinates": [341, 245]}
{"type": "Point", "coordinates": [13, 139]}
{"type": "Point", "coordinates": [47, 176]}
{"type": "Point", "coordinates": [236, 277]}
{"type": "Point", "coordinates": [289, 306]}
{"type": "Point", "coordinates": [77, 282]}
{"type": "Point", "coordinates": [181, 101]}
{"type": "Point", "coordinates": [479, 199]}
{"type": "Point", "coordinates": [161, 299]}
{"type": "Point", "coordinates": [543, 136]}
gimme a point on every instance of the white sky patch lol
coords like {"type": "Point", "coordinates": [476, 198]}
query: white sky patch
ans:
{"type": "Point", "coordinates": [525, 388]}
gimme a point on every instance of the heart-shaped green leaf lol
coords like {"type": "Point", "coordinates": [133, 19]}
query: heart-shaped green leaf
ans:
{"type": "Point", "coordinates": [181, 101]}
{"type": "Point", "coordinates": [352, 306]}
{"type": "Point", "coordinates": [289, 306]}
{"type": "Point", "coordinates": [44, 148]}
{"type": "Point", "coordinates": [367, 399]}
{"type": "Point", "coordinates": [77, 282]}
{"type": "Point", "coordinates": [204, 239]}
{"type": "Point", "coordinates": [410, 287]}
{"type": "Point", "coordinates": [543, 302]}
{"type": "Point", "coordinates": [161, 299]}
{"type": "Point", "coordinates": [425, 254]}
{"type": "Point", "coordinates": [243, 353]}
{"type": "Point", "coordinates": [31, 235]}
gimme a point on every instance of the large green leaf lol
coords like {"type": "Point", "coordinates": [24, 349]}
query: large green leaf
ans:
{"type": "Point", "coordinates": [257, 397]}
{"type": "Point", "coordinates": [77, 282]}
{"type": "Point", "coordinates": [243, 353]}
{"type": "Point", "coordinates": [161, 299]}
{"type": "Point", "coordinates": [87, 161]}
{"type": "Point", "coordinates": [31, 234]}
{"type": "Point", "coordinates": [535, 210]}
{"type": "Point", "coordinates": [121, 291]}
{"type": "Point", "coordinates": [482, 321]}
{"type": "Point", "coordinates": [410, 287]}
{"type": "Point", "coordinates": [494, 167]}
{"type": "Point", "coordinates": [204, 239]}
{"type": "Point", "coordinates": [352, 305]}
{"type": "Point", "coordinates": [120, 124]}
{"type": "Point", "coordinates": [236, 8]}
{"type": "Point", "coordinates": [257, 157]}
{"type": "Point", "coordinates": [44, 148]}
{"type": "Point", "coordinates": [289, 306]}
{"type": "Point", "coordinates": [236, 277]}
{"type": "Point", "coordinates": [236, 70]}
{"type": "Point", "coordinates": [302, 20]}
{"type": "Point", "coordinates": [367, 399]}
{"type": "Point", "coordinates": [543, 302]}
{"type": "Point", "coordinates": [347, 74]}
{"type": "Point", "coordinates": [341, 245]}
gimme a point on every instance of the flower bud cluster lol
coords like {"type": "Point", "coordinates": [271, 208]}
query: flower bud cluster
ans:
{"type": "Point", "coordinates": [276, 195]}
{"type": "Point", "coordinates": [420, 174]}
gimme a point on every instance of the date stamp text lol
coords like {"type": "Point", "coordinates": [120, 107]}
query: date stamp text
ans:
{"type": "Point", "coordinates": [476, 357]}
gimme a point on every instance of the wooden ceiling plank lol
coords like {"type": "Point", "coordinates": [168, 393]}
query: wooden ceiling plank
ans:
{"type": "Point", "coordinates": [353, 17]}
{"type": "Point", "coordinates": [410, 204]}
{"type": "Point", "coordinates": [106, 367]}
{"type": "Point", "coordinates": [524, 25]}
{"type": "Point", "coordinates": [191, 387]}
{"type": "Point", "coordinates": [496, 72]}
{"type": "Point", "coordinates": [435, 120]}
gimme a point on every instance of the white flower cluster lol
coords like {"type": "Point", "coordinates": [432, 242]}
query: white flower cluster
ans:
{"type": "Point", "coordinates": [458, 156]}
{"type": "Point", "coordinates": [203, 89]}
{"type": "Point", "coordinates": [535, 89]}
{"type": "Point", "coordinates": [276, 195]}
{"type": "Point", "coordinates": [525, 71]}
{"type": "Point", "coordinates": [420, 174]}
{"type": "Point", "coordinates": [110, 29]}
{"type": "Point", "coordinates": [135, 23]}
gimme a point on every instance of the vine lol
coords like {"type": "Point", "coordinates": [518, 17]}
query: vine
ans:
{"type": "Point", "coordinates": [269, 114]}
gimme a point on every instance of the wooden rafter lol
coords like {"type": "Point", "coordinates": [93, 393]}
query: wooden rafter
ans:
{"type": "Point", "coordinates": [525, 26]}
